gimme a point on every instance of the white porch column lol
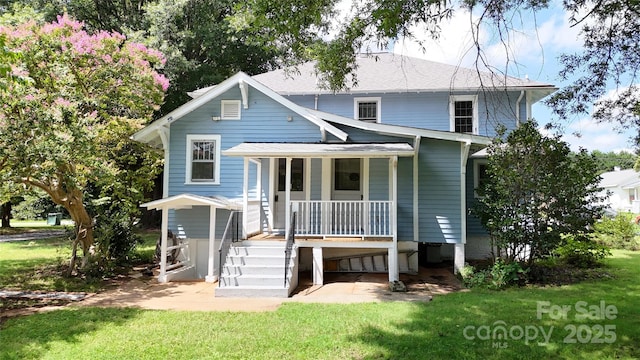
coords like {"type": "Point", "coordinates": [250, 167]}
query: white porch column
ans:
{"type": "Point", "coordinates": [394, 270]}
{"type": "Point", "coordinates": [211, 277]}
{"type": "Point", "coordinates": [318, 266]}
{"type": "Point", "coordinates": [325, 195]}
{"type": "Point", "coordinates": [162, 277]}
{"type": "Point", "coordinates": [287, 198]}
{"type": "Point", "coordinates": [245, 197]}
{"type": "Point", "coordinates": [458, 258]}
{"type": "Point", "coordinates": [272, 192]}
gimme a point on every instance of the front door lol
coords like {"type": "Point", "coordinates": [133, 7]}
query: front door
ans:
{"type": "Point", "coordinates": [347, 179]}
{"type": "Point", "coordinates": [347, 187]}
{"type": "Point", "coordinates": [298, 192]}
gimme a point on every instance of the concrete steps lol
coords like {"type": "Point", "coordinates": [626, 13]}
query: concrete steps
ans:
{"type": "Point", "coordinates": [257, 271]}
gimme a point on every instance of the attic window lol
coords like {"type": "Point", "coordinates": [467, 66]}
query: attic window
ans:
{"type": "Point", "coordinates": [463, 112]}
{"type": "Point", "coordinates": [367, 109]}
{"type": "Point", "coordinates": [230, 109]}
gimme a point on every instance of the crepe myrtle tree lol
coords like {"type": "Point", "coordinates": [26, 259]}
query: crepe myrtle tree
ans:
{"type": "Point", "coordinates": [536, 190]}
{"type": "Point", "coordinates": [80, 92]}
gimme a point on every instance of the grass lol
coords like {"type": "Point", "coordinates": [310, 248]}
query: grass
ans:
{"type": "Point", "coordinates": [38, 265]}
{"type": "Point", "coordinates": [358, 331]}
{"type": "Point", "coordinates": [26, 226]}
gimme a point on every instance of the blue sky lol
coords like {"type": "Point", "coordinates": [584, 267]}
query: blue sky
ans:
{"type": "Point", "coordinates": [535, 47]}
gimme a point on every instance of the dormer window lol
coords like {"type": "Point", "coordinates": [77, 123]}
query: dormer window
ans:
{"type": "Point", "coordinates": [230, 109]}
{"type": "Point", "coordinates": [463, 113]}
{"type": "Point", "coordinates": [367, 109]}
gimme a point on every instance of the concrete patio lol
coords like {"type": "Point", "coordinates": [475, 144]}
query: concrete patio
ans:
{"type": "Point", "coordinates": [146, 293]}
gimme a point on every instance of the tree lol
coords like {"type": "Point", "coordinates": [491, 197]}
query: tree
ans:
{"type": "Point", "coordinates": [82, 92]}
{"type": "Point", "coordinates": [611, 55]}
{"type": "Point", "coordinates": [610, 160]}
{"type": "Point", "coordinates": [537, 190]}
{"type": "Point", "coordinates": [200, 48]}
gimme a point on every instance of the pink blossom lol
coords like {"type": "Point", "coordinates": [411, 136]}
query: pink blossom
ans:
{"type": "Point", "coordinates": [161, 80]}
{"type": "Point", "coordinates": [62, 102]}
{"type": "Point", "coordinates": [29, 97]}
{"type": "Point", "coordinates": [63, 22]}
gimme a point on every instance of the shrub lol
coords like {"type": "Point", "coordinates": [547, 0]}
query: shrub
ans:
{"type": "Point", "coordinates": [583, 253]}
{"type": "Point", "coordinates": [619, 232]}
{"type": "Point", "coordinates": [115, 238]}
{"type": "Point", "coordinates": [497, 277]}
{"type": "Point", "coordinates": [472, 278]}
{"type": "Point", "coordinates": [505, 274]}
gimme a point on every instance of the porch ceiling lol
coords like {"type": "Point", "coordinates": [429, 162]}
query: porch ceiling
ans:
{"type": "Point", "coordinates": [184, 201]}
{"type": "Point", "coordinates": [319, 150]}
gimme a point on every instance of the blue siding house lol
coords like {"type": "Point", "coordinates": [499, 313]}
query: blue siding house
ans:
{"type": "Point", "coordinates": [271, 174]}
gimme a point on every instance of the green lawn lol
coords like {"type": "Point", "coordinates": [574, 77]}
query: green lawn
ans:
{"type": "Point", "coordinates": [455, 326]}
{"type": "Point", "coordinates": [37, 265]}
{"type": "Point", "coordinates": [25, 226]}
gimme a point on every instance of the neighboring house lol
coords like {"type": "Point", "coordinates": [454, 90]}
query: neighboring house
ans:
{"type": "Point", "coordinates": [373, 175]}
{"type": "Point", "coordinates": [622, 190]}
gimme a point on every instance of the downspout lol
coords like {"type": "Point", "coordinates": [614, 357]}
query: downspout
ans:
{"type": "Point", "coordinates": [416, 198]}
{"type": "Point", "coordinates": [518, 108]}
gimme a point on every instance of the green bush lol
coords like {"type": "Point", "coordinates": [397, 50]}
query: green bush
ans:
{"type": "Point", "coordinates": [505, 274]}
{"type": "Point", "coordinates": [472, 278]}
{"type": "Point", "coordinates": [619, 232]}
{"type": "Point", "coordinates": [115, 238]}
{"type": "Point", "coordinates": [582, 253]}
{"type": "Point", "coordinates": [497, 277]}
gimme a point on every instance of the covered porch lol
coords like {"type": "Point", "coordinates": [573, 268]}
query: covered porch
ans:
{"type": "Point", "coordinates": [183, 267]}
{"type": "Point", "coordinates": [340, 195]}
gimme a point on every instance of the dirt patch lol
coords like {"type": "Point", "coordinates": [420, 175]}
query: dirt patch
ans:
{"type": "Point", "coordinates": [14, 307]}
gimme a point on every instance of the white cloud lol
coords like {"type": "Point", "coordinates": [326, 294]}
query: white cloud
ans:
{"type": "Point", "coordinates": [531, 46]}
{"type": "Point", "coordinates": [592, 135]}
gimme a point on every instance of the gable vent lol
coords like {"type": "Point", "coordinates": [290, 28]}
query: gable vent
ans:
{"type": "Point", "coordinates": [230, 109]}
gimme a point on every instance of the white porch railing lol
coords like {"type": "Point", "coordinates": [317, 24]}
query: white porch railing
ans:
{"type": "Point", "coordinates": [343, 218]}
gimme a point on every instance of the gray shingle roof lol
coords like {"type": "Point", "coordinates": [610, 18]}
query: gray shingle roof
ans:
{"type": "Point", "coordinates": [621, 178]}
{"type": "Point", "coordinates": [387, 72]}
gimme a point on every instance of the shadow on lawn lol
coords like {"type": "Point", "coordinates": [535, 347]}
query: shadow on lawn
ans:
{"type": "Point", "coordinates": [469, 325]}
{"type": "Point", "coordinates": [30, 337]}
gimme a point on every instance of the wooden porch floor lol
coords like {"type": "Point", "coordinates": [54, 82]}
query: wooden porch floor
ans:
{"type": "Point", "coordinates": [281, 237]}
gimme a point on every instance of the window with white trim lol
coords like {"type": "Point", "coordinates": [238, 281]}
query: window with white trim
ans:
{"type": "Point", "coordinates": [479, 175]}
{"type": "Point", "coordinates": [463, 113]}
{"type": "Point", "coordinates": [203, 159]}
{"type": "Point", "coordinates": [367, 109]}
{"type": "Point", "coordinates": [230, 109]}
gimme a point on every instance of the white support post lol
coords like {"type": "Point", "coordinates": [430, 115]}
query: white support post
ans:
{"type": "Point", "coordinates": [162, 277]}
{"type": "Point", "coordinates": [245, 197]}
{"type": "Point", "coordinates": [211, 277]}
{"type": "Point", "coordinates": [394, 270]}
{"type": "Point", "coordinates": [325, 194]}
{"type": "Point", "coordinates": [458, 258]}
{"type": "Point", "coordinates": [272, 192]}
{"type": "Point", "coordinates": [287, 200]}
{"type": "Point", "coordinates": [318, 266]}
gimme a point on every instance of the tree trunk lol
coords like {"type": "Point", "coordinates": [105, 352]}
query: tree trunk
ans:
{"type": "Point", "coordinates": [83, 222]}
{"type": "Point", "coordinates": [71, 198]}
{"type": "Point", "coordinates": [5, 211]}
